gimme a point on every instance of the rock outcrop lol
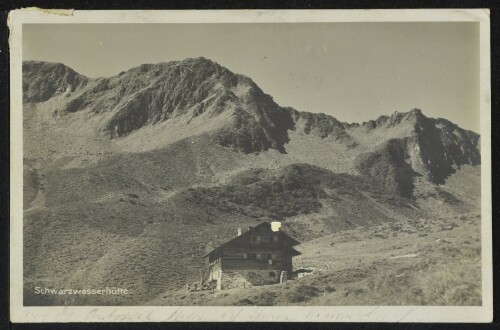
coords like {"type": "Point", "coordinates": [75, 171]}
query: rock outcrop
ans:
{"type": "Point", "coordinates": [42, 80]}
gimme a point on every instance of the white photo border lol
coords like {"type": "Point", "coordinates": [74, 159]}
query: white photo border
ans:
{"type": "Point", "coordinates": [20, 313]}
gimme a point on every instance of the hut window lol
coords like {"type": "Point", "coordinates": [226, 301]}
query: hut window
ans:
{"type": "Point", "coordinates": [271, 238]}
{"type": "Point", "coordinates": [252, 256]}
{"type": "Point", "coordinates": [269, 256]}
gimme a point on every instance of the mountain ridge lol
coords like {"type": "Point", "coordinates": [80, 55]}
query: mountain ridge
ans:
{"type": "Point", "coordinates": [396, 116]}
{"type": "Point", "coordinates": [197, 95]}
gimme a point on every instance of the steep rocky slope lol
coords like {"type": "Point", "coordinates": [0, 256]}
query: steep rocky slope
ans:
{"type": "Point", "coordinates": [197, 90]}
{"type": "Point", "coordinates": [432, 147]}
{"type": "Point", "coordinates": [151, 106]}
{"type": "Point", "coordinates": [42, 80]}
{"type": "Point", "coordinates": [387, 165]}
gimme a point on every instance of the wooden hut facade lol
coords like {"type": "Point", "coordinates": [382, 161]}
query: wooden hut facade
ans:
{"type": "Point", "coordinates": [257, 256]}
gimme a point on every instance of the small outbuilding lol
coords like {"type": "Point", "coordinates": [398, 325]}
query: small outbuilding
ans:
{"type": "Point", "coordinates": [259, 255]}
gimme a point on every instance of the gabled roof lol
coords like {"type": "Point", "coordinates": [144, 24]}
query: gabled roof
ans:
{"type": "Point", "coordinates": [295, 252]}
{"type": "Point", "coordinates": [265, 225]}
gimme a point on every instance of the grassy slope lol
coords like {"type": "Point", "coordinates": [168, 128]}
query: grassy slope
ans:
{"type": "Point", "coordinates": [79, 231]}
{"type": "Point", "coordinates": [139, 233]}
{"type": "Point", "coordinates": [424, 263]}
{"type": "Point", "coordinates": [433, 260]}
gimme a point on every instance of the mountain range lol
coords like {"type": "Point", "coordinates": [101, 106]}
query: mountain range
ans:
{"type": "Point", "coordinates": [130, 179]}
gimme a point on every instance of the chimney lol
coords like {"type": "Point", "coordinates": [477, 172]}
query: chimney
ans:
{"type": "Point", "coordinates": [275, 225]}
{"type": "Point", "coordinates": [239, 231]}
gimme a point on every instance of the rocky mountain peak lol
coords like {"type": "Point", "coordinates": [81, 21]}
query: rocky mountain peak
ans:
{"type": "Point", "coordinates": [43, 80]}
{"type": "Point", "coordinates": [412, 116]}
{"type": "Point", "coordinates": [420, 146]}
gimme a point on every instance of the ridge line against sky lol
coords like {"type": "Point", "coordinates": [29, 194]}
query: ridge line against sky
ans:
{"type": "Point", "coordinates": [352, 71]}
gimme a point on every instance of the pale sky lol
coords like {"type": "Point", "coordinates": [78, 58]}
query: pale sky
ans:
{"type": "Point", "coordinates": [352, 71]}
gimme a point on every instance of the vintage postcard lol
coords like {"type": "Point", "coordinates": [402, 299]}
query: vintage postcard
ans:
{"type": "Point", "coordinates": [249, 165]}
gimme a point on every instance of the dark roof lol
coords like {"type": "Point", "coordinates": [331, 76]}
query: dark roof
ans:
{"type": "Point", "coordinates": [292, 240]}
{"type": "Point", "coordinates": [295, 252]}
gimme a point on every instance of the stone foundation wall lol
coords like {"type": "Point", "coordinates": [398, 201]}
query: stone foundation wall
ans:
{"type": "Point", "coordinates": [246, 278]}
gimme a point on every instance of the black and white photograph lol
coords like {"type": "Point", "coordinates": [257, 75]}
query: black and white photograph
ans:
{"type": "Point", "coordinates": [262, 160]}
